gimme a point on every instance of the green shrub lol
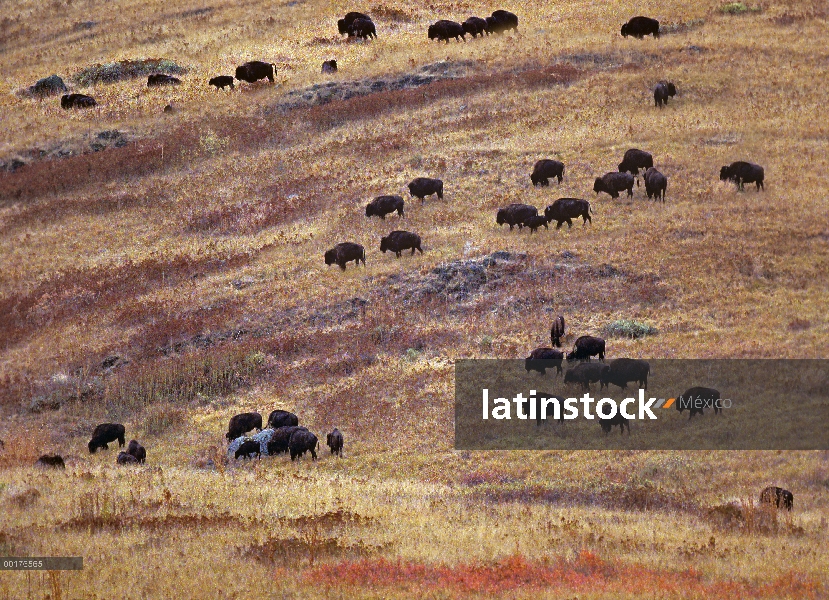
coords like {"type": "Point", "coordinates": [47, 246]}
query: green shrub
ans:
{"type": "Point", "coordinates": [629, 328]}
{"type": "Point", "coordinates": [738, 8]}
{"type": "Point", "coordinates": [126, 69]}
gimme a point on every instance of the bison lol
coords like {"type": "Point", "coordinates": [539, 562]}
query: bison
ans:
{"type": "Point", "coordinates": [383, 205]}
{"type": "Point", "coordinates": [303, 441]}
{"type": "Point", "coordinates": [345, 23]}
{"type": "Point", "coordinates": [242, 423]}
{"type": "Point", "coordinates": [282, 418]}
{"type": "Point", "coordinates": [617, 419]}
{"type": "Point", "coordinates": [544, 358]}
{"type": "Point", "coordinates": [662, 91]}
{"type": "Point", "coordinates": [742, 172]}
{"type": "Point", "coordinates": [221, 82]}
{"type": "Point", "coordinates": [474, 26]}
{"type": "Point", "coordinates": [557, 331]}
{"type": "Point", "coordinates": [51, 460]}
{"type": "Point", "coordinates": [535, 222]}
{"type": "Point", "coordinates": [613, 183]}
{"type": "Point", "coordinates": [696, 399]}
{"type": "Point", "coordinates": [655, 184]}
{"type": "Point", "coordinates": [105, 433]}
{"type": "Point", "coordinates": [585, 374]}
{"type": "Point", "coordinates": [281, 438]}
{"type": "Point", "coordinates": [248, 449]}
{"type": "Point", "coordinates": [587, 346]}
{"type": "Point", "coordinates": [443, 30]}
{"type": "Point", "coordinates": [345, 252]}
{"type": "Point", "coordinates": [329, 66]}
{"type": "Point", "coordinates": [334, 441]}
{"type": "Point", "coordinates": [397, 241]}
{"type": "Point", "coordinates": [137, 450]}
{"type": "Point", "coordinates": [162, 79]}
{"type": "Point", "coordinates": [634, 160]}
{"type": "Point", "coordinates": [564, 210]}
{"type": "Point", "coordinates": [68, 101]}
{"type": "Point", "coordinates": [421, 187]}
{"type": "Point", "coordinates": [639, 27]}
{"type": "Point", "coordinates": [125, 458]}
{"type": "Point", "coordinates": [255, 70]}
{"type": "Point", "coordinates": [501, 21]}
{"type": "Point", "coordinates": [622, 371]}
{"type": "Point", "coordinates": [777, 496]}
{"type": "Point", "coordinates": [545, 169]}
{"type": "Point", "coordinates": [362, 28]}
{"type": "Point", "coordinates": [515, 214]}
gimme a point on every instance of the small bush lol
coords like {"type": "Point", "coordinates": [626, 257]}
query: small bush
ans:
{"type": "Point", "coordinates": [629, 328]}
{"type": "Point", "coordinates": [738, 8]}
{"type": "Point", "coordinates": [126, 69]}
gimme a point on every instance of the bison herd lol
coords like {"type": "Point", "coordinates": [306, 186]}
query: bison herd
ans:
{"type": "Point", "coordinates": [499, 21]}
{"type": "Point", "coordinates": [283, 434]}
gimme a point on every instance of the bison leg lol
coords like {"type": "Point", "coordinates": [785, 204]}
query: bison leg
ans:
{"type": "Point", "coordinates": [342, 265]}
{"type": "Point", "coordinates": [397, 252]}
{"type": "Point", "coordinates": [400, 211]}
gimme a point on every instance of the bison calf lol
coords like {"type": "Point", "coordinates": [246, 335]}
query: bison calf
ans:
{"type": "Point", "coordinates": [248, 449]}
{"type": "Point", "coordinates": [696, 399]}
{"type": "Point", "coordinates": [221, 82]}
{"type": "Point", "coordinates": [535, 222]}
{"type": "Point", "coordinates": [383, 205]}
{"type": "Point", "coordinates": [564, 210]}
{"type": "Point", "coordinates": [137, 450]}
{"type": "Point", "coordinates": [68, 101]}
{"type": "Point", "coordinates": [545, 169]}
{"type": "Point", "coordinates": [617, 419]}
{"type": "Point", "coordinates": [106, 433]}
{"type": "Point", "coordinates": [334, 441]}
{"type": "Point", "coordinates": [778, 496]}
{"type": "Point", "coordinates": [397, 241]}
{"type": "Point", "coordinates": [51, 460]}
{"type": "Point", "coordinates": [345, 252]}
{"type": "Point", "coordinates": [162, 79]}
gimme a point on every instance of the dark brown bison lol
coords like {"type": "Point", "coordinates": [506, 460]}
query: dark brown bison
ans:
{"type": "Point", "coordinates": [663, 91]}
{"type": "Point", "coordinates": [345, 252]}
{"type": "Point", "coordinates": [397, 241]}
{"type": "Point", "coordinates": [383, 205]}
{"type": "Point", "coordinates": [639, 27]}
{"type": "Point", "coordinates": [303, 441]}
{"type": "Point", "coordinates": [613, 183]}
{"type": "Point", "coordinates": [545, 169]}
{"type": "Point", "coordinates": [51, 460]}
{"type": "Point", "coordinates": [587, 346]}
{"type": "Point", "coordinates": [334, 441]}
{"type": "Point", "coordinates": [557, 331]}
{"type": "Point", "coordinates": [617, 419]}
{"type": "Point", "coordinates": [137, 450]}
{"type": "Point", "coordinates": [655, 183]}
{"type": "Point", "coordinates": [634, 160]}
{"type": "Point", "coordinates": [544, 358]}
{"type": "Point", "coordinates": [344, 23]}
{"type": "Point", "coordinates": [585, 374]}
{"type": "Point", "coordinates": [362, 28]}
{"type": "Point", "coordinates": [282, 418]}
{"type": "Point", "coordinates": [548, 409]}
{"type": "Point", "coordinates": [696, 399]}
{"type": "Point", "coordinates": [443, 30]}
{"type": "Point", "coordinates": [248, 449]}
{"type": "Point", "coordinates": [501, 21]}
{"type": "Point", "coordinates": [742, 172]}
{"type": "Point", "coordinates": [475, 26]}
{"type": "Point", "coordinates": [622, 371]}
{"type": "Point", "coordinates": [535, 222]}
{"type": "Point", "coordinates": [564, 210]}
{"type": "Point", "coordinates": [68, 101]}
{"type": "Point", "coordinates": [515, 214]}
{"type": "Point", "coordinates": [420, 187]}
{"type": "Point", "coordinates": [125, 458]}
{"type": "Point", "coordinates": [281, 438]}
{"type": "Point", "coordinates": [105, 433]}
{"type": "Point", "coordinates": [255, 70]}
{"type": "Point", "coordinates": [329, 66]}
{"type": "Point", "coordinates": [242, 423]}
{"type": "Point", "coordinates": [221, 82]}
{"type": "Point", "coordinates": [162, 79]}
{"type": "Point", "coordinates": [778, 496]}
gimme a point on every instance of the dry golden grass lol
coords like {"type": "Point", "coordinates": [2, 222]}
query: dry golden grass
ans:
{"type": "Point", "coordinates": [195, 253]}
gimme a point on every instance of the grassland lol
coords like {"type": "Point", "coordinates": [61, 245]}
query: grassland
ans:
{"type": "Point", "coordinates": [194, 253]}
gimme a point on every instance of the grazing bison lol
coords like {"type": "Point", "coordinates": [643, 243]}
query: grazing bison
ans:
{"type": "Point", "coordinates": [397, 241]}
{"type": "Point", "coordinates": [421, 187]}
{"type": "Point", "coordinates": [345, 252]}
{"type": "Point", "coordinates": [162, 79]}
{"type": "Point", "coordinates": [68, 101]}
{"type": "Point", "coordinates": [475, 26]}
{"type": "Point", "coordinates": [542, 359]}
{"type": "Point", "coordinates": [540, 406]}
{"type": "Point", "coordinates": [617, 419]}
{"type": "Point", "coordinates": [383, 205]}
{"type": "Point", "coordinates": [515, 214]}
{"type": "Point", "coordinates": [535, 222]}
{"type": "Point", "coordinates": [557, 331]}
{"type": "Point", "coordinates": [443, 30]}
{"type": "Point", "coordinates": [221, 82]}
{"type": "Point", "coordinates": [248, 449]}
{"type": "Point", "coordinates": [587, 346]}
{"type": "Point", "coordinates": [655, 183]}
{"type": "Point", "coordinates": [362, 28]}
{"type": "Point", "coordinates": [564, 210]}
{"type": "Point", "coordinates": [125, 458]}
{"type": "Point", "coordinates": [303, 441]}
{"type": "Point", "coordinates": [334, 441]}
{"type": "Point", "coordinates": [777, 496]}
{"type": "Point", "coordinates": [545, 169]}
{"type": "Point", "coordinates": [281, 438]}
{"type": "Point", "coordinates": [742, 172]}
{"type": "Point", "coordinates": [585, 374]}
{"type": "Point", "coordinates": [242, 423]}
{"type": "Point", "coordinates": [639, 27]}
{"type": "Point", "coordinates": [282, 418]}
{"type": "Point", "coordinates": [613, 183]}
{"type": "Point", "coordinates": [634, 160]}
{"type": "Point", "coordinates": [105, 433]}
{"type": "Point", "coordinates": [622, 371]}
{"type": "Point", "coordinates": [329, 66]}
{"type": "Point", "coordinates": [51, 460]}
{"type": "Point", "coordinates": [255, 70]}
{"type": "Point", "coordinates": [137, 450]}
{"type": "Point", "coordinates": [501, 21]}
{"type": "Point", "coordinates": [345, 23]}
{"type": "Point", "coordinates": [662, 91]}
{"type": "Point", "coordinates": [696, 399]}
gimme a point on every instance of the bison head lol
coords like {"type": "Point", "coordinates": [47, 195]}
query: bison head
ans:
{"type": "Point", "coordinates": [500, 218]}
{"type": "Point", "coordinates": [342, 26]}
{"type": "Point", "coordinates": [725, 174]}
{"type": "Point", "coordinates": [432, 33]}
{"type": "Point", "coordinates": [330, 257]}
{"type": "Point", "coordinates": [384, 244]}
{"type": "Point", "coordinates": [625, 30]}
{"type": "Point", "coordinates": [598, 186]}
{"type": "Point", "coordinates": [370, 210]}
{"type": "Point", "coordinates": [671, 89]}
{"type": "Point", "coordinates": [534, 179]}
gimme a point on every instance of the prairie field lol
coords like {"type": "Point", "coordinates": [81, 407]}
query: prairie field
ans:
{"type": "Point", "coordinates": [164, 270]}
